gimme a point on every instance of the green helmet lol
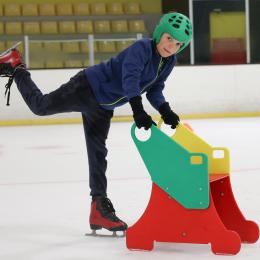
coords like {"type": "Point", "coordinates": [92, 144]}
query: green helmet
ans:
{"type": "Point", "coordinates": [177, 25]}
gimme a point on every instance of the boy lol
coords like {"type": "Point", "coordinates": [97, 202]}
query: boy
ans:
{"type": "Point", "coordinates": [96, 91]}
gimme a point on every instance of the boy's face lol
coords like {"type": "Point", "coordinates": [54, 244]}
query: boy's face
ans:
{"type": "Point", "coordinates": [168, 45]}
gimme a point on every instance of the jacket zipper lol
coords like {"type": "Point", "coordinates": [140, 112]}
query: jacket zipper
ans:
{"type": "Point", "coordinates": [144, 88]}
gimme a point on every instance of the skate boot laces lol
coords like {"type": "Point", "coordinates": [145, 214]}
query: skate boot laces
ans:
{"type": "Point", "coordinates": [106, 209]}
{"type": "Point", "coordinates": [5, 71]}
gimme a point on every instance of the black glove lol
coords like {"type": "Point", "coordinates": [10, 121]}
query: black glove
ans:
{"type": "Point", "coordinates": [142, 119]}
{"type": "Point", "coordinates": [168, 116]}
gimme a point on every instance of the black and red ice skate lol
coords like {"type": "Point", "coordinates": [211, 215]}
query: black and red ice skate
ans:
{"type": "Point", "coordinates": [103, 215]}
{"type": "Point", "coordinates": [10, 60]}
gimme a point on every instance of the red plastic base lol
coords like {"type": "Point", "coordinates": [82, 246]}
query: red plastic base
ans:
{"type": "Point", "coordinates": [230, 213]}
{"type": "Point", "coordinates": [165, 220]}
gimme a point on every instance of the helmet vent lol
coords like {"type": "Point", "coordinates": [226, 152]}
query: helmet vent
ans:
{"type": "Point", "coordinates": [177, 26]}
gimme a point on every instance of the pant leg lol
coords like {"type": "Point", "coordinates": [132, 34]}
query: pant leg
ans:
{"type": "Point", "coordinates": [96, 127]}
{"type": "Point", "coordinates": [75, 95]}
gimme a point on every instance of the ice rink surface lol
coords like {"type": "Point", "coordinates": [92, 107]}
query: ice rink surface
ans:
{"type": "Point", "coordinates": [44, 194]}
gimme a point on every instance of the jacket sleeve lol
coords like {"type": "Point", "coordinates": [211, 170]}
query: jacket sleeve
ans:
{"type": "Point", "coordinates": [133, 65]}
{"type": "Point", "coordinates": [155, 94]}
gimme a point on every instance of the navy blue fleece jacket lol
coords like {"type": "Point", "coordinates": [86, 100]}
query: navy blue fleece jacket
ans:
{"type": "Point", "coordinates": [135, 70]}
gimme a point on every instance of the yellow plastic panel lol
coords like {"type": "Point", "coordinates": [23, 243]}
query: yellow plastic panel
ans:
{"type": "Point", "coordinates": [218, 157]}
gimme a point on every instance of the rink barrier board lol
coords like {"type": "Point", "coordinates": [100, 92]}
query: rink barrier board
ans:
{"type": "Point", "coordinates": [127, 118]}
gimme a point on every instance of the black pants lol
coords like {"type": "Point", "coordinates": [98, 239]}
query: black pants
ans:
{"type": "Point", "coordinates": [74, 96]}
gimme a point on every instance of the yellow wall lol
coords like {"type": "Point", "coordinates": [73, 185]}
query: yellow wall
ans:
{"type": "Point", "coordinates": [228, 25]}
{"type": "Point", "coordinates": [148, 6]}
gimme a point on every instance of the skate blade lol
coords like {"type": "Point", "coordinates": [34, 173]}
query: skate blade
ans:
{"type": "Point", "coordinates": [114, 234]}
{"type": "Point", "coordinates": [13, 47]}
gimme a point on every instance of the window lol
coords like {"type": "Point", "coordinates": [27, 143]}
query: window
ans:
{"type": "Point", "coordinates": [219, 31]}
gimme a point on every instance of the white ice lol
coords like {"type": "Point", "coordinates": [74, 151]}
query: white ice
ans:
{"type": "Point", "coordinates": [44, 194]}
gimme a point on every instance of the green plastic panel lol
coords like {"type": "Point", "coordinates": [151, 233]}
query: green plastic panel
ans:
{"type": "Point", "coordinates": [183, 175]}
